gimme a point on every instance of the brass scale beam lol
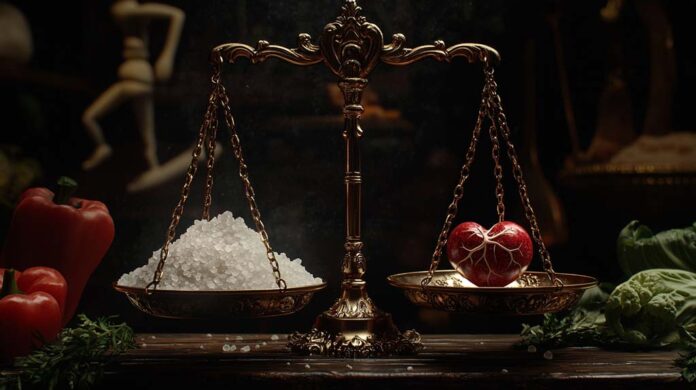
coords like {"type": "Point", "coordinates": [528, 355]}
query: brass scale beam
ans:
{"type": "Point", "coordinates": [351, 47]}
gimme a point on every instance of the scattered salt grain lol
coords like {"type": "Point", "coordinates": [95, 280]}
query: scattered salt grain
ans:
{"type": "Point", "coordinates": [201, 346]}
{"type": "Point", "coordinates": [153, 337]}
{"type": "Point", "coordinates": [245, 349]}
{"type": "Point", "coordinates": [257, 346]}
{"type": "Point", "coordinates": [548, 355]}
{"type": "Point", "coordinates": [531, 349]}
{"type": "Point", "coordinates": [239, 338]}
{"type": "Point", "coordinates": [227, 338]}
{"type": "Point", "coordinates": [348, 366]}
{"type": "Point", "coordinates": [275, 337]}
{"type": "Point", "coordinates": [409, 368]}
{"type": "Point", "coordinates": [307, 366]}
{"type": "Point", "coordinates": [287, 363]}
{"type": "Point", "coordinates": [264, 343]}
{"type": "Point", "coordinates": [143, 345]}
{"type": "Point", "coordinates": [208, 335]}
{"type": "Point", "coordinates": [220, 254]}
{"type": "Point", "coordinates": [504, 371]}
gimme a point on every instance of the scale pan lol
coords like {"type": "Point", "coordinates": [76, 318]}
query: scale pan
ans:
{"type": "Point", "coordinates": [534, 295]}
{"type": "Point", "coordinates": [220, 304]}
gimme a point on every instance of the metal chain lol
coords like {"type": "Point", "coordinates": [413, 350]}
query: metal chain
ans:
{"type": "Point", "coordinates": [458, 190]}
{"type": "Point", "coordinates": [190, 174]}
{"type": "Point", "coordinates": [210, 149]}
{"type": "Point", "coordinates": [498, 170]}
{"type": "Point", "coordinates": [244, 175]}
{"type": "Point", "coordinates": [499, 114]}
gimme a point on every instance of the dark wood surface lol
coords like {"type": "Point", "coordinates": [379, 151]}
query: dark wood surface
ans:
{"type": "Point", "coordinates": [481, 361]}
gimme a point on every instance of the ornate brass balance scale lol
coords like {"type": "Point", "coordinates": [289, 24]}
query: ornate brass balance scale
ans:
{"type": "Point", "coordinates": [354, 327]}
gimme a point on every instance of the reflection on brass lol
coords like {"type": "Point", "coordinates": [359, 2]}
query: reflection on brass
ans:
{"type": "Point", "coordinates": [220, 304]}
{"type": "Point", "coordinates": [534, 295]}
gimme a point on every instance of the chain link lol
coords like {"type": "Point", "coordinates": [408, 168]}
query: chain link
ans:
{"type": "Point", "coordinates": [210, 149]}
{"type": "Point", "coordinates": [500, 118]}
{"type": "Point", "coordinates": [244, 175]}
{"type": "Point", "coordinates": [498, 171]}
{"type": "Point", "coordinates": [208, 118]}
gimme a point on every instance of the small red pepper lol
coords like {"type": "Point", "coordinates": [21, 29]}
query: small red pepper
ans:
{"type": "Point", "coordinates": [68, 234]}
{"type": "Point", "coordinates": [31, 309]}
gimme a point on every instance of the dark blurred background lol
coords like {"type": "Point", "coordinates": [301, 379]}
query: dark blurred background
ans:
{"type": "Point", "coordinates": [413, 147]}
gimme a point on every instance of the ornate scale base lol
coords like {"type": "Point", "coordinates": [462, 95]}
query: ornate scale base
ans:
{"type": "Point", "coordinates": [371, 345]}
{"type": "Point", "coordinates": [355, 328]}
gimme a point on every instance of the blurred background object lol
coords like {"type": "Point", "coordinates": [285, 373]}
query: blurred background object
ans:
{"type": "Point", "coordinates": [15, 35]}
{"type": "Point", "coordinates": [583, 65]}
{"type": "Point", "coordinates": [136, 81]}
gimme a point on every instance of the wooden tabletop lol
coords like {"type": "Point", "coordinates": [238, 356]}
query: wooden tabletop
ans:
{"type": "Point", "coordinates": [486, 361]}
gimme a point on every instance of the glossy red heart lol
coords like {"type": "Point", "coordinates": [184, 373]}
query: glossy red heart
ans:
{"type": "Point", "coordinates": [490, 258]}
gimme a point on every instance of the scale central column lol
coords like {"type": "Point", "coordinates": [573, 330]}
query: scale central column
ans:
{"type": "Point", "coordinates": [354, 314]}
{"type": "Point", "coordinates": [353, 326]}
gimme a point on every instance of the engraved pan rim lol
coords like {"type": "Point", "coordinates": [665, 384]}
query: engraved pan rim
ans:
{"type": "Point", "coordinates": [212, 299]}
{"type": "Point", "coordinates": [571, 282]}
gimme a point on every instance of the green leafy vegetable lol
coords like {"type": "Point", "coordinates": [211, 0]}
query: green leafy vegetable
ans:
{"type": "Point", "coordinates": [687, 362]}
{"type": "Point", "coordinates": [654, 307]}
{"type": "Point", "coordinates": [76, 359]}
{"type": "Point", "coordinates": [638, 249]}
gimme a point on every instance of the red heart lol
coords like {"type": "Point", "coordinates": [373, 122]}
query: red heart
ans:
{"type": "Point", "coordinates": [491, 258]}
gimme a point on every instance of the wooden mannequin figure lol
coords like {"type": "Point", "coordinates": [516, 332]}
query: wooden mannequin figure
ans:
{"type": "Point", "coordinates": [136, 76]}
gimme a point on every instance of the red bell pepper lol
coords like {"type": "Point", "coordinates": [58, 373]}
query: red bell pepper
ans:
{"type": "Point", "coordinates": [31, 309]}
{"type": "Point", "coordinates": [68, 234]}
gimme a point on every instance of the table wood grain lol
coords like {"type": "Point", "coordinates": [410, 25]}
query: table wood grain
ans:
{"type": "Point", "coordinates": [448, 361]}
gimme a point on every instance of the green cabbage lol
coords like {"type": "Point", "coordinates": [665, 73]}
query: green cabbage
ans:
{"type": "Point", "coordinates": [656, 307]}
{"type": "Point", "coordinates": [639, 249]}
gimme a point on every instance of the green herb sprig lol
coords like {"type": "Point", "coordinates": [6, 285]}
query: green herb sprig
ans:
{"type": "Point", "coordinates": [584, 325]}
{"type": "Point", "coordinates": [76, 359]}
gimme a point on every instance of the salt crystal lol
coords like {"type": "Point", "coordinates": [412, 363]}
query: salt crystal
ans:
{"type": "Point", "coordinates": [245, 348]}
{"type": "Point", "coordinates": [504, 371]}
{"type": "Point", "coordinates": [275, 337]}
{"type": "Point", "coordinates": [143, 345]}
{"type": "Point", "coordinates": [239, 338]}
{"type": "Point", "coordinates": [307, 366]}
{"type": "Point", "coordinates": [153, 337]}
{"type": "Point", "coordinates": [548, 355]}
{"type": "Point", "coordinates": [208, 335]}
{"type": "Point", "coordinates": [287, 363]}
{"type": "Point", "coordinates": [348, 366]}
{"type": "Point", "coordinates": [220, 254]}
{"type": "Point", "coordinates": [531, 349]}
{"type": "Point", "coordinates": [257, 346]}
{"type": "Point", "coordinates": [264, 343]}
{"type": "Point", "coordinates": [227, 338]}
{"type": "Point", "coordinates": [409, 368]}
{"type": "Point", "coordinates": [201, 346]}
